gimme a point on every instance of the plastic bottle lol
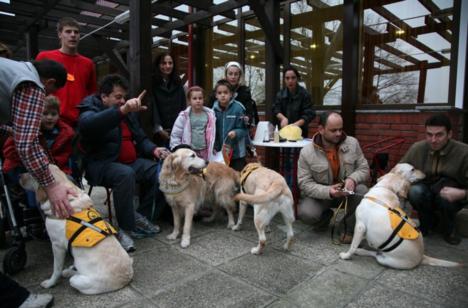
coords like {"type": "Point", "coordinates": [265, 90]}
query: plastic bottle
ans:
{"type": "Point", "coordinates": [276, 135]}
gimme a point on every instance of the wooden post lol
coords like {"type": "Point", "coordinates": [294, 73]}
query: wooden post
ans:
{"type": "Point", "coordinates": [422, 81]}
{"type": "Point", "coordinates": [139, 58]}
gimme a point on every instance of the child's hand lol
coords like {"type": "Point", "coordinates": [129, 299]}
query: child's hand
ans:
{"type": "Point", "coordinates": [232, 134]}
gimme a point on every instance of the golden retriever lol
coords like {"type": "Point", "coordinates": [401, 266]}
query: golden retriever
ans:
{"type": "Point", "coordinates": [269, 193]}
{"type": "Point", "coordinates": [188, 182]}
{"type": "Point", "coordinates": [102, 268]}
{"type": "Point", "coordinates": [373, 223]}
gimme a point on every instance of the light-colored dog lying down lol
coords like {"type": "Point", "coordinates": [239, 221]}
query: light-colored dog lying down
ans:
{"type": "Point", "coordinates": [269, 194]}
{"type": "Point", "coordinates": [188, 182]}
{"type": "Point", "coordinates": [102, 268]}
{"type": "Point", "coordinates": [405, 250]}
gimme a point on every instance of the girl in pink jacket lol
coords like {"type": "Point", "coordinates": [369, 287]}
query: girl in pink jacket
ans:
{"type": "Point", "coordinates": [195, 125]}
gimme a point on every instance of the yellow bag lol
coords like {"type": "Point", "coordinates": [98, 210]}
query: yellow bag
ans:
{"type": "Point", "coordinates": [291, 132]}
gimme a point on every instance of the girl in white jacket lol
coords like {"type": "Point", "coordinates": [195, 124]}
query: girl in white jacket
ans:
{"type": "Point", "coordinates": [195, 125]}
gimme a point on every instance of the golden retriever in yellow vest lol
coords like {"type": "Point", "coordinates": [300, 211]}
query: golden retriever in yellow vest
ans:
{"type": "Point", "coordinates": [102, 268]}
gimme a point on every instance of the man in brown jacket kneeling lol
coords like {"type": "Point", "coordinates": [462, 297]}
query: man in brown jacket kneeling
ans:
{"type": "Point", "coordinates": [331, 168]}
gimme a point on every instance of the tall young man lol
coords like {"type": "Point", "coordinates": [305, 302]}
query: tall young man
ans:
{"type": "Point", "coordinates": [81, 74]}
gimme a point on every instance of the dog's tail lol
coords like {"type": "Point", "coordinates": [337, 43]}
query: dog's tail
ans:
{"type": "Point", "coordinates": [274, 191]}
{"type": "Point", "coordinates": [439, 262]}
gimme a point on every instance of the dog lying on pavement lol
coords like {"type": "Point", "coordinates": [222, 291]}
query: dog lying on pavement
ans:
{"type": "Point", "coordinates": [405, 250]}
{"type": "Point", "coordinates": [188, 182]}
{"type": "Point", "coordinates": [269, 194]}
{"type": "Point", "coordinates": [104, 267]}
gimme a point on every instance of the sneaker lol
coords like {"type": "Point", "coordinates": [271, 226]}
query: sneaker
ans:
{"type": "Point", "coordinates": [324, 222]}
{"type": "Point", "coordinates": [452, 239]}
{"type": "Point", "coordinates": [38, 301]}
{"type": "Point", "coordinates": [144, 227]}
{"type": "Point", "coordinates": [126, 241]}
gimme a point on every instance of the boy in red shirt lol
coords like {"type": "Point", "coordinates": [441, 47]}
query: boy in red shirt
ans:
{"type": "Point", "coordinates": [81, 74]}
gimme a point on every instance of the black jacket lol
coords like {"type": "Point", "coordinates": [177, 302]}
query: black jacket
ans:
{"type": "Point", "coordinates": [294, 107]}
{"type": "Point", "coordinates": [101, 136]}
{"type": "Point", "coordinates": [167, 102]}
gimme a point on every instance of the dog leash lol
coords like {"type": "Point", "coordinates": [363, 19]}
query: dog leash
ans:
{"type": "Point", "coordinates": [344, 203]}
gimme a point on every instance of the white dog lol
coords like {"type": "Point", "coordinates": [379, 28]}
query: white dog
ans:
{"type": "Point", "coordinates": [373, 223]}
{"type": "Point", "coordinates": [102, 268]}
{"type": "Point", "coordinates": [269, 193]}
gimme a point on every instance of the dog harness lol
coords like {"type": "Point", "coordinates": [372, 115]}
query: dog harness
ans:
{"type": "Point", "coordinates": [87, 228]}
{"type": "Point", "coordinates": [248, 169]}
{"type": "Point", "coordinates": [401, 224]}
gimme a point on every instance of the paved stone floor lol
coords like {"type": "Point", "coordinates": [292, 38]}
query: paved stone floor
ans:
{"type": "Point", "coordinates": [217, 270]}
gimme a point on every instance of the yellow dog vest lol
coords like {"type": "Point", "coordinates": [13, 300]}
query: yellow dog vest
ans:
{"type": "Point", "coordinates": [247, 171]}
{"type": "Point", "coordinates": [407, 232]}
{"type": "Point", "coordinates": [87, 228]}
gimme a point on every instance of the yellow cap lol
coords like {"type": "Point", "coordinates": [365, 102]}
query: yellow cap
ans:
{"type": "Point", "coordinates": [291, 132]}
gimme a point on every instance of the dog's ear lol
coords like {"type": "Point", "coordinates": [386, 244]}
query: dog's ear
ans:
{"type": "Point", "coordinates": [402, 188]}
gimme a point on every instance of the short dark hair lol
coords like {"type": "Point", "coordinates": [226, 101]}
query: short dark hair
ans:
{"type": "Point", "coordinates": [67, 21]}
{"type": "Point", "coordinates": [439, 119]}
{"type": "Point", "coordinates": [323, 117]}
{"type": "Point", "coordinates": [224, 82]}
{"type": "Point", "coordinates": [291, 68]}
{"type": "Point", "coordinates": [5, 51]}
{"type": "Point", "coordinates": [51, 69]}
{"type": "Point", "coordinates": [107, 84]}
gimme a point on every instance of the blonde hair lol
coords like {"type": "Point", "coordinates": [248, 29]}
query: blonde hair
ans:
{"type": "Point", "coordinates": [52, 102]}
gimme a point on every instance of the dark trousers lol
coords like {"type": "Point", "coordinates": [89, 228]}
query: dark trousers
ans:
{"type": "Point", "coordinates": [426, 202]}
{"type": "Point", "coordinates": [238, 163]}
{"type": "Point", "coordinates": [12, 295]}
{"type": "Point", "coordinates": [122, 178]}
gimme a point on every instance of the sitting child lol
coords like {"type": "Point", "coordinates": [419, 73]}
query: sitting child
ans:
{"type": "Point", "coordinates": [195, 125]}
{"type": "Point", "coordinates": [55, 136]}
{"type": "Point", "coordinates": [231, 128]}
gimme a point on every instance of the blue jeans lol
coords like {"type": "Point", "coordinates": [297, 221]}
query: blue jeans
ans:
{"type": "Point", "coordinates": [426, 202]}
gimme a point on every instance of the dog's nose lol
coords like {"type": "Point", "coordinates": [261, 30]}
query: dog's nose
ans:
{"type": "Point", "coordinates": [206, 163]}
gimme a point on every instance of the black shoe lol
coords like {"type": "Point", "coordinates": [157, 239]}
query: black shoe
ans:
{"type": "Point", "coordinates": [452, 239]}
{"type": "Point", "coordinates": [324, 222]}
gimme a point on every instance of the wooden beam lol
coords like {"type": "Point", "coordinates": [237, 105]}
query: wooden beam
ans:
{"type": "Point", "coordinates": [108, 48]}
{"type": "Point", "coordinates": [198, 16]}
{"type": "Point", "coordinates": [422, 81]}
{"type": "Point", "coordinates": [140, 57]}
{"type": "Point", "coordinates": [271, 36]}
{"type": "Point", "coordinates": [200, 5]}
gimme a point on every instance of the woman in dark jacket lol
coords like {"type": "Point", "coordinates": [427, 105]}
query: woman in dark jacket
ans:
{"type": "Point", "coordinates": [292, 106]}
{"type": "Point", "coordinates": [168, 96]}
{"type": "Point", "coordinates": [293, 103]}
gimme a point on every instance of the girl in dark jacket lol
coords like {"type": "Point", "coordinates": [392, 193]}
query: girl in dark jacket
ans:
{"type": "Point", "coordinates": [168, 96]}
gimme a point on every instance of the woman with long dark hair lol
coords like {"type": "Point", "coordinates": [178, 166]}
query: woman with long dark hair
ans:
{"type": "Point", "coordinates": [168, 96]}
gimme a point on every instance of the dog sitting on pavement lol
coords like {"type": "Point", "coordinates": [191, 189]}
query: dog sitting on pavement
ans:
{"type": "Point", "coordinates": [269, 194]}
{"type": "Point", "coordinates": [100, 263]}
{"type": "Point", "coordinates": [386, 227]}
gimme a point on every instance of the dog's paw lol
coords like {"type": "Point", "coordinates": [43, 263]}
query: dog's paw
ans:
{"type": "Point", "coordinates": [48, 283]}
{"type": "Point", "coordinates": [345, 255]}
{"type": "Point", "coordinates": [69, 272]}
{"type": "Point", "coordinates": [288, 244]}
{"type": "Point", "coordinates": [236, 227]}
{"type": "Point", "coordinates": [231, 226]}
{"type": "Point", "coordinates": [255, 251]}
{"type": "Point", "coordinates": [185, 242]}
{"type": "Point", "coordinates": [172, 236]}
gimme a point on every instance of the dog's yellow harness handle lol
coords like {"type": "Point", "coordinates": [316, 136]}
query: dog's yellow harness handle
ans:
{"type": "Point", "coordinates": [87, 228]}
{"type": "Point", "coordinates": [248, 169]}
